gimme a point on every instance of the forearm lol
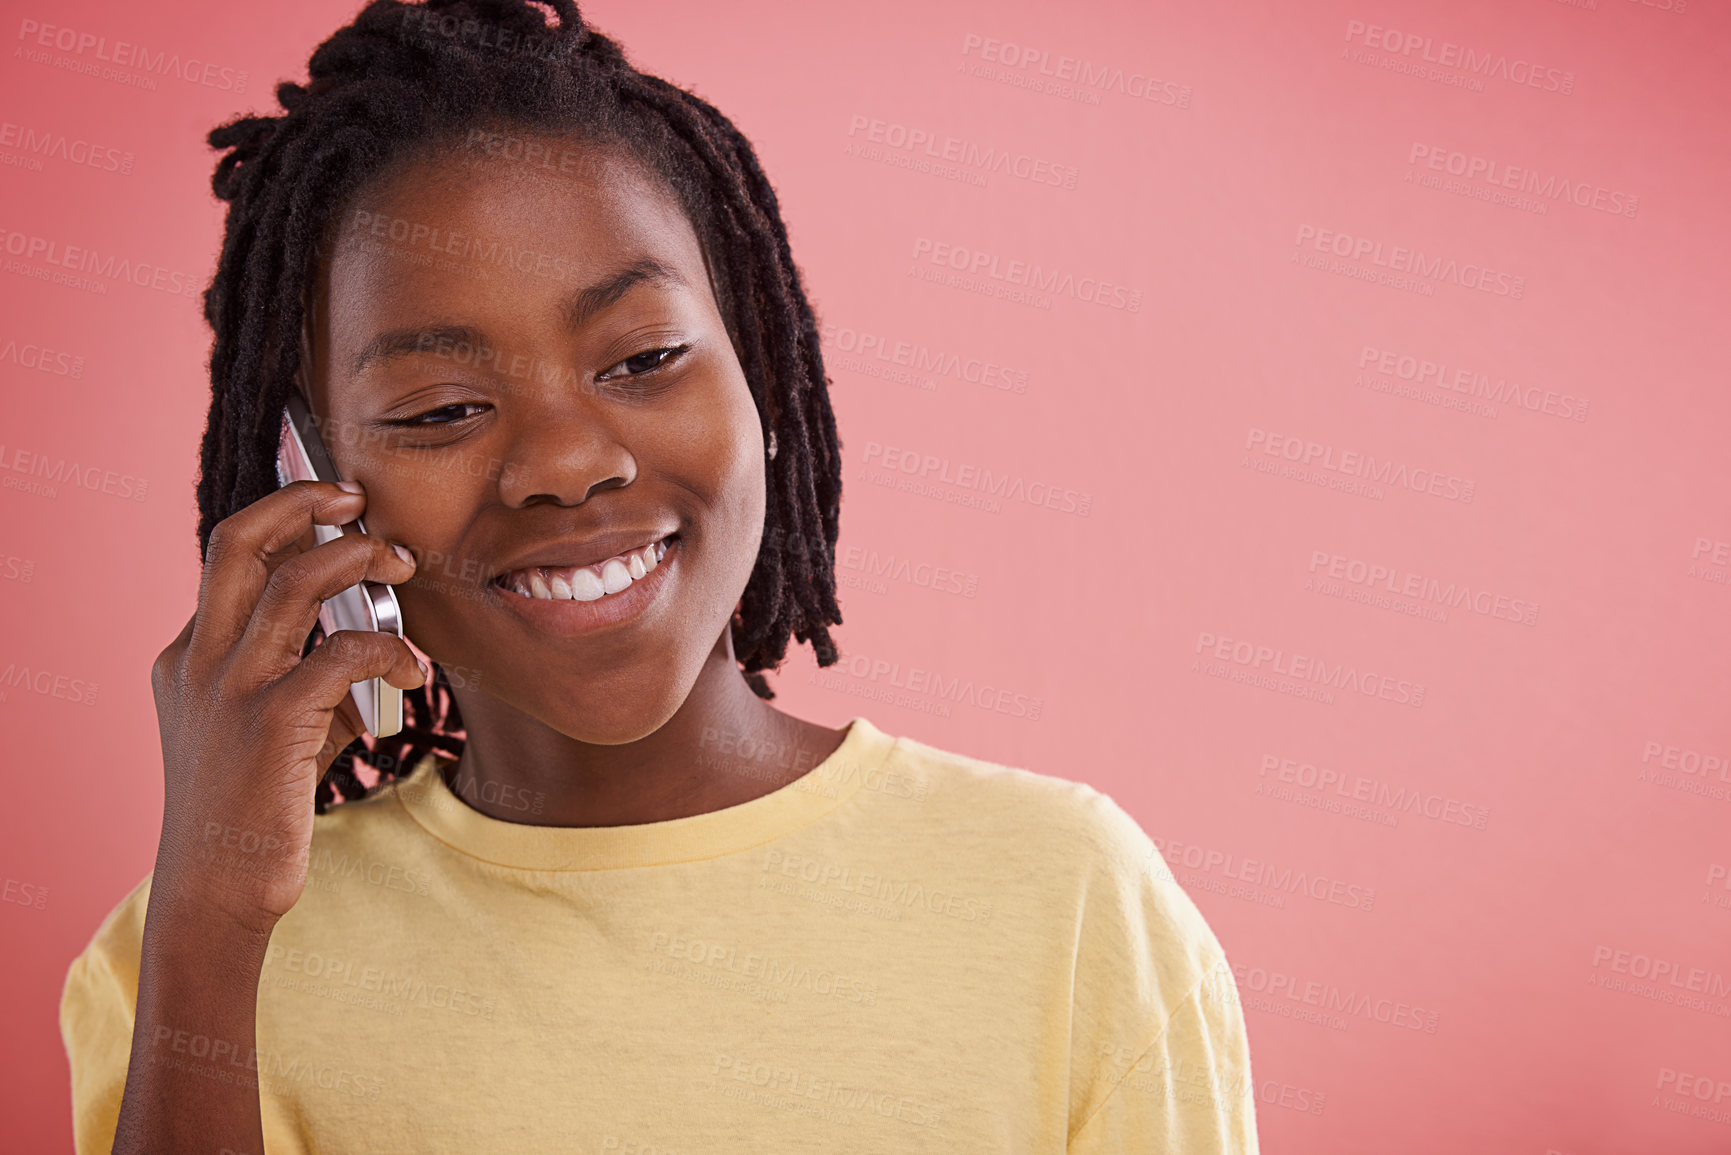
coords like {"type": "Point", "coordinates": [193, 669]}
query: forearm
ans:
{"type": "Point", "coordinates": [192, 1082]}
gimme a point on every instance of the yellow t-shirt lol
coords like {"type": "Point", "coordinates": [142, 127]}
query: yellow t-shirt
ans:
{"type": "Point", "coordinates": [904, 950]}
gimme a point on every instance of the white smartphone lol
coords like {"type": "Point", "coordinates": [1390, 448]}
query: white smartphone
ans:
{"type": "Point", "coordinates": [370, 605]}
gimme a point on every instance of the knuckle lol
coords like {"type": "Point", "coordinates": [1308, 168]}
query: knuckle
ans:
{"type": "Point", "coordinates": [338, 643]}
{"type": "Point", "coordinates": [359, 550]}
{"type": "Point", "coordinates": [164, 669]}
{"type": "Point", "coordinates": [348, 645]}
{"type": "Point", "coordinates": [290, 578]}
{"type": "Point", "coordinates": [221, 541]}
{"type": "Point", "coordinates": [351, 649]}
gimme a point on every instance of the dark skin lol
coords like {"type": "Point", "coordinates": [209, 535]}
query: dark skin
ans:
{"type": "Point", "coordinates": [582, 429]}
{"type": "Point", "coordinates": [612, 726]}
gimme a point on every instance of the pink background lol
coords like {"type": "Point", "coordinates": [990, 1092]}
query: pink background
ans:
{"type": "Point", "coordinates": [1152, 646]}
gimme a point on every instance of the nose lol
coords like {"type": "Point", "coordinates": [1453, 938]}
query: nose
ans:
{"type": "Point", "coordinates": [562, 450]}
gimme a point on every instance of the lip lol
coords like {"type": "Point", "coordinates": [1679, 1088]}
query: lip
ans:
{"type": "Point", "coordinates": [571, 619]}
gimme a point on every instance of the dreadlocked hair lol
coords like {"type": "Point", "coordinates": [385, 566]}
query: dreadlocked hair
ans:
{"type": "Point", "coordinates": [407, 77]}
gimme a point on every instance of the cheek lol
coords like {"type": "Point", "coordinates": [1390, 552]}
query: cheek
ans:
{"type": "Point", "coordinates": [714, 449]}
{"type": "Point", "coordinates": [743, 471]}
{"type": "Point", "coordinates": [713, 454]}
{"type": "Point", "coordinates": [428, 506]}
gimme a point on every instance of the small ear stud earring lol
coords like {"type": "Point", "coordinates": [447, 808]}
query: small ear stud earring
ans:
{"type": "Point", "coordinates": [772, 446]}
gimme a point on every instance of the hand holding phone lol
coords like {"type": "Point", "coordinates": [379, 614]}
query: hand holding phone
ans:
{"type": "Point", "coordinates": [301, 456]}
{"type": "Point", "coordinates": [250, 725]}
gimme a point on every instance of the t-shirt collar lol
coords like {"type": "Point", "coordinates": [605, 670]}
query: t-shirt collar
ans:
{"type": "Point", "coordinates": [427, 798]}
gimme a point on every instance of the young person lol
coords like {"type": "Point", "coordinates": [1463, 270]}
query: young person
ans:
{"type": "Point", "coordinates": [599, 895]}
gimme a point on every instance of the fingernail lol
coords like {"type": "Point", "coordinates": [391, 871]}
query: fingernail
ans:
{"type": "Point", "coordinates": [350, 486]}
{"type": "Point", "coordinates": [403, 553]}
{"type": "Point", "coordinates": [426, 672]}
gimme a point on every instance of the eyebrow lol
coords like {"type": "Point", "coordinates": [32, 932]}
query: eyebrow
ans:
{"type": "Point", "coordinates": [578, 308]}
{"type": "Point", "coordinates": [416, 339]}
{"type": "Point", "coordinates": [609, 289]}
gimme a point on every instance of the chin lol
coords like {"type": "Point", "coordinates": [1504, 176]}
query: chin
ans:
{"type": "Point", "coordinates": [607, 711]}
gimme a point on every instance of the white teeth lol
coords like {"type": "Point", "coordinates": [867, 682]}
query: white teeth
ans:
{"type": "Point", "coordinates": [588, 583]}
{"type": "Point", "coordinates": [615, 576]}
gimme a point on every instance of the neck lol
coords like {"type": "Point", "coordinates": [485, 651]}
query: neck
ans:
{"type": "Point", "coordinates": [722, 747]}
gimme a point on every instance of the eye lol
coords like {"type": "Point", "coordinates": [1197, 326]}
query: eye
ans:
{"type": "Point", "coordinates": [449, 418]}
{"type": "Point", "coordinates": [644, 363]}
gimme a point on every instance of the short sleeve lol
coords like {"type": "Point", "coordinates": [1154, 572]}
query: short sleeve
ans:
{"type": "Point", "coordinates": [1190, 1091]}
{"type": "Point", "coordinates": [1161, 1060]}
{"type": "Point", "coordinates": [97, 1008]}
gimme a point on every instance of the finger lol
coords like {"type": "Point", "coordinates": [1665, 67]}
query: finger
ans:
{"type": "Point", "coordinates": [322, 679]}
{"type": "Point", "coordinates": [236, 562]}
{"type": "Point", "coordinates": [346, 726]}
{"type": "Point", "coordinates": [305, 543]}
{"type": "Point", "coordinates": [298, 587]}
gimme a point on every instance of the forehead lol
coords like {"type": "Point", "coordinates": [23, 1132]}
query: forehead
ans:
{"type": "Point", "coordinates": [518, 219]}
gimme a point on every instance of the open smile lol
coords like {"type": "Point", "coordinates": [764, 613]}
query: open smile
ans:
{"type": "Point", "coordinates": [572, 600]}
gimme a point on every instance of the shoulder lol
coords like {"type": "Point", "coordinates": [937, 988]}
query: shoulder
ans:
{"type": "Point", "coordinates": [1017, 795]}
{"type": "Point", "coordinates": [103, 978]}
{"type": "Point", "coordinates": [97, 1010]}
{"type": "Point", "coordinates": [115, 943]}
{"type": "Point", "coordinates": [1146, 979]}
{"type": "Point", "coordinates": [1075, 845]}
{"type": "Point", "coordinates": [1055, 814]}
